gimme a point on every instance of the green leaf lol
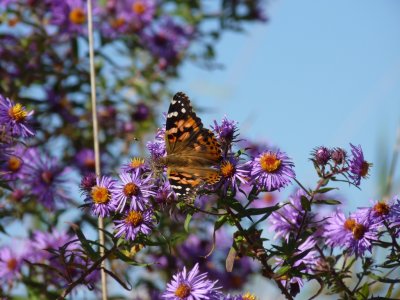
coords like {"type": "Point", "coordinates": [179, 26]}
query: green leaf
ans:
{"type": "Point", "coordinates": [305, 203]}
{"type": "Point", "coordinates": [390, 290]}
{"type": "Point", "coordinates": [85, 244]}
{"type": "Point", "coordinates": [187, 222]}
{"type": "Point", "coordinates": [363, 292]}
{"type": "Point", "coordinates": [328, 202]}
{"type": "Point", "coordinates": [220, 222]}
{"type": "Point", "coordinates": [282, 271]}
{"type": "Point", "coordinates": [324, 190]}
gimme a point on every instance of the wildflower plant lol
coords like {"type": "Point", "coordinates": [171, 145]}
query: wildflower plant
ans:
{"type": "Point", "coordinates": [183, 233]}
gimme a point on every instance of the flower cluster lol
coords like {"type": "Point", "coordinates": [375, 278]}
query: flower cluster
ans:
{"type": "Point", "coordinates": [128, 199]}
{"type": "Point", "coordinates": [333, 162]}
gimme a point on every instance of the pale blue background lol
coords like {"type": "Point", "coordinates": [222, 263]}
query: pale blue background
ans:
{"type": "Point", "coordinates": [319, 73]}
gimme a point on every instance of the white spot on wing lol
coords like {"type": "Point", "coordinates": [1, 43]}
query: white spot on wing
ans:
{"type": "Point", "coordinates": [183, 110]}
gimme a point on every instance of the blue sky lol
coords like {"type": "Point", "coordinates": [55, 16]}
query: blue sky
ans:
{"type": "Point", "coordinates": [319, 73]}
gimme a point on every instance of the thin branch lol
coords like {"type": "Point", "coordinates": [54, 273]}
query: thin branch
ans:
{"type": "Point", "coordinates": [96, 141]}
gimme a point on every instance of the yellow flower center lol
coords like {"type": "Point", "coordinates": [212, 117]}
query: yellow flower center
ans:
{"type": "Point", "coordinates": [227, 169]}
{"type": "Point", "coordinates": [12, 264]}
{"type": "Point", "coordinates": [249, 296]}
{"type": "Point", "coordinates": [136, 162]}
{"type": "Point", "coordinates": [365, 168]}
{"type": "Point", "coordinates": [138, 7]}
{"type": "Point", "coordinates": [117, 23]}
{"type": "Point", "coordinates": [17, 113]}
{"type": "Point", "coordinates": [359, 231]}
{"type": "Point", "coordinates": [131, 189]}
{"type": "Point", "coordinates": [77, 16]}
{"type": "Point", "coordinates": [182, 291]}
{"type": "Point", "coordinates": [349, 224]}
{"type": "Point", "coordinates": [100, 194]}
{"type": "Point", "coordinates": [381, 208]}
{"type": "Point", "coordinates": [134, 218]}
{"type": "Point", "coordinates": [14, 163]}
{"type": "Point", "coordinates": [269, 162]}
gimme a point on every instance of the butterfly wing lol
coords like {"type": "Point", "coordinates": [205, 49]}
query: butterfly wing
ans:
{"type": "Point", "coordinates": [192, 151]}
{"type": "Point", "coordinates": [185, 181]}
{"type": "Point", "coordinates": [182, 124]}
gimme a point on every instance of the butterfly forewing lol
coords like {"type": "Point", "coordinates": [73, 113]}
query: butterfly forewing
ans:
{"type": "Point", "coordinates": [193, 152]}
{"type": "Point", "coordinates": [182, 123]}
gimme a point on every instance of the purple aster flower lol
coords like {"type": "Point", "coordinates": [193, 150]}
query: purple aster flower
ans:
{"type": "Point", "coordinates": [168, 40]}
{"type": "Point", "coordinates": [272, 170]}
{"type": "Point", "coordinates": [338, 229]}
{"type": "Point", "coordinates": [87, 182]}
{"type": "Point", "coordinates": [287, 219]}
{"type": "Point", "coordinates": [226, 131]}
{"type": "Point", "coordinates": [10, 265]}
{"type": "Point", "coordinates": [165, 194]}
{"type": "Point", "coordinates": [127, 16]}
{"type": "Point", "coordinates": [134, 189]}
{"type": "Point", "coordinates": [12, 166]}
{"type": "Point", "coordinates": [14, 117]}
{"type": "Point", "coordinates": [142, 10]}
{"type": "Point", "coordinates": [71, 15]}
{"type": "Point", "coordinates": [157, 147]}
{"type": "Point", "coordinates": [136, 164]}
{"type": "Point", "coordinates": [364, 232]}
{"type": "Point", "coordinates": [100, 197]}
{"type": "Point", "coordinates": [395, 214]}
{"type": "Point", "coordinates": [190, 286]}
{"type": "Point", "coordinates": [45, 178]}
{"type": "Point", "coordinates": [233, 173]}
{"type": "Point", "coordinates": [379, 212]}
{"type": "Point", "coordinates": [355, 233]}
{"type": "Point", "coordinates": [321, 155]}
{"type": "Point", "coordinates": [85, 160]}
{"type": "Point", "coordinates": [359, 167]}
{"type": "Point", "coordinates": [134, 223]}
{"type": "Point", "coordinates": [339, 156]}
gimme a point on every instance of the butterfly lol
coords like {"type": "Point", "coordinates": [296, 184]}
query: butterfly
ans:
{"type": "Point", "coordinates": [193, 152]}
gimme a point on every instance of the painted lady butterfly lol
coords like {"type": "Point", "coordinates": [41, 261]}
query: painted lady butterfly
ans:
{"type": "Point", "coordinates": [193, 152]}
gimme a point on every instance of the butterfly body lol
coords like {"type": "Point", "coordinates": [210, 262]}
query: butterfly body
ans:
{"type": "Point", "coordinates": [193, 153]}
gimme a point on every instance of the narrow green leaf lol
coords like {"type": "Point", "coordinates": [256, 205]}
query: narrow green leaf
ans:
{"type": "Point", "coordinates": [328, 202]}
{"type": "Point", "coordinates": [85, 244]}
{"type": "Point", "coordinates": [282, 271]}
{"type": "Point", "coordinates": [305, 203]}
{"type": "Point", "coordinates": [187, 222]}
{"type": "Point", "coordinates": [363, 292]}
{"type": "Point", "coordinates": [390, 291]}
{"type": "Point", "coordinates": [324, 190]}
